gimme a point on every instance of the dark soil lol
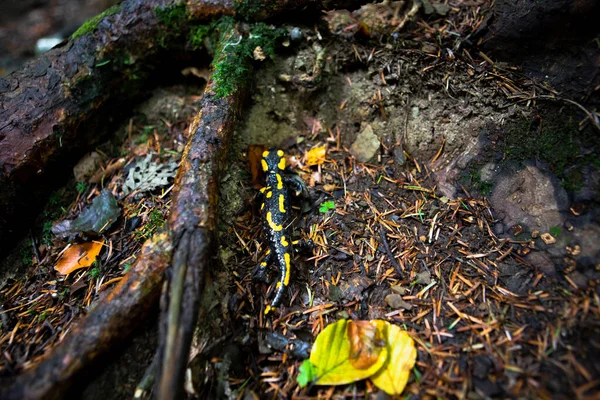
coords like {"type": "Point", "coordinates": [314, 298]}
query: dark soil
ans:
{"type": "Point", "coordinates": [480, 210]}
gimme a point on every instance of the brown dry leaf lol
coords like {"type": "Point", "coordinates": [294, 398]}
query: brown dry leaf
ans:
{"type": "Point", "coordinates": [316, 156]}
{"type": "Point", "coordinates": [330, 357]}
{"type": "Point", "coordinates": [366, 343]}
{"type": "Point", "coordinates": [254, 156]}
{"type": "Point", "coordinates": [78, 256]}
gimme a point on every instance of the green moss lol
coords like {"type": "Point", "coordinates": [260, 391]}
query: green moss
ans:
{"type": "Point", "coordinates": [553, 143]}
{"type": "Point", "coordinates": [156, 220]}
{"type": "Point", "coordinates": [555, 231]}
{"type": "Point", "coordinates": [91, 24]}
{"type": "Point", "coordinates": [555, 140]}
{"type": "Point", "coordinates": [175, 17]}
{"type": "Point", "coordinates": [250, 9]}
{"type": "Point", "coordinates": [235, 52]}
{"type": "Point", "coordinates": [473, 178]}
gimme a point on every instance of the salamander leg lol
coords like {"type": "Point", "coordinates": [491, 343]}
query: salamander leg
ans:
{"type": "Point", "coordinates": [296, 185]}
{"type": "Point", "coordinates": [260, 271]}
{"type": "Point", "coordinates": [303, 246]}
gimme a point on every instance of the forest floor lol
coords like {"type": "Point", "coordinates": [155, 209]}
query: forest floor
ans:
{"type": "Point", "coordinates": [454, 199]}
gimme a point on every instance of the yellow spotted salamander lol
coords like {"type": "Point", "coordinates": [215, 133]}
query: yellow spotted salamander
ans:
{"type": "Point", "coordinates": [275, 213]}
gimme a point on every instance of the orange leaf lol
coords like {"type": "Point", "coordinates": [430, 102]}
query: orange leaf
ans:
{"type": "Point", "coordinates": [254, 156]}
{"type": "Point", "coordinates": [366, 343]}
{"type": "Point", "coordinates": [78, 256]}
{"type": "Point", "coordinates": [316, 156]}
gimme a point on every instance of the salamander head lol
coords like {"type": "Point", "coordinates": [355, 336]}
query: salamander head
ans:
{"type": "Point", "coordinates": [273, 161]}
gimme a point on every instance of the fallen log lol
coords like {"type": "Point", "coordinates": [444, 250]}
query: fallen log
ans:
{"type": "Point", "coordinates": [61, 104]}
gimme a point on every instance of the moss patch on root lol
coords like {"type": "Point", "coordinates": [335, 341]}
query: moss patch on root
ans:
{"type": "Point", "coordinates": [234, 49]}
{"type": "Point", "coordinates": [91, 24]}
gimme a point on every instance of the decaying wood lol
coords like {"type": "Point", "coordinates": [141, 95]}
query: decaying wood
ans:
{"type": "Point", "coordinates": [112, 319]}
{"type": "Point", "coordinates": [192, 223]}
{"type": "Point", "coordinates": [59, 104]}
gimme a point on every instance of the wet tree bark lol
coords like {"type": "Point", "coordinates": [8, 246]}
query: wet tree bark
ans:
{"type": "Point", "coordinates": [193, 223]}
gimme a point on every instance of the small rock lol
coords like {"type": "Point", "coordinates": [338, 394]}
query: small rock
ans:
{"type": "Point", "coordinates": [399, 156]}
{"type": "Point", "coordinates": [548, 238]}
{"type": "Point", "coordinates": [424, 277]}
{"type": "Point", "coordinates": [428, 7]}
{"type": "Point", "coordinates": [535, 233]}
{"type": "Point", "coordinates": [441, 9]}
{"type": "Point", "coordinates": [542, 262]}
{"type": "Point", "coordinates": [402, 290]}
{"type": "Point", "coordinates": [395, 301]}
{"type": "Point", "coordinates": [499, 228]}
{"type": "Point", "coordinates": [366, 145]}
{"type": "Point", "coordinates": [87, 166]}
{"type": "Point", "coordinates": [296, 34]}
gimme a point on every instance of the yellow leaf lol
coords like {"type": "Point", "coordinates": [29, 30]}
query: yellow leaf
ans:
{"type": "Point", "coordinates": [330, 356]}
{"type": "Point", "coordinates": [393, 376]}
{"type": "Point", "coordinates": [78, 256]}
{"type": "Point", "coordinates": [316, 156]}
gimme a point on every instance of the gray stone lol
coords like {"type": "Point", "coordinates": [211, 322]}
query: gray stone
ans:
{"type": "Point", "coordinates": [530, 197]}
{"type": "Point", "coordinates": [366, 145]}
{"type": "Point", "coordinates": [402, 290]}
{"type": "Point", "coordinates": [498, 228]}
{"type": "Point", "coordinates": [424, 277]}
{"type": "Point", "coordinates": [395, 301]}
{"type": "Point", "coordinates": [399, 156]}
{"type": "Point", "coordinates": [440, 8]}
{"type": "Point", "coordinates": [87, 166]}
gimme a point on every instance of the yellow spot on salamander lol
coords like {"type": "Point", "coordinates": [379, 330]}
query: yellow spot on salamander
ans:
{"type": "Point", "coordinates": [286, 280]}
{"type": "Point", "coordinates": [262, 190]}
{"type": "Point", "coordinates": [263, 264]}
{"type": "Point", "coordinates": [278, 285]}
{"type": "Point", "coordinates": [262, 206]}
{"type": "Point", "coordinates": [281, 164]}
{"type": "Point", "coordinates": [265, 153]}
{"type": "Point", "coordinates": [272, 224]}
{"type": "Point", "coordinates": [269, 309]}
{"type": "Point", "coordinates": [269, 195]}
{"type": "Point", "coordinates": [281, 203]}
{"type": "Point", "coordinates": [265, 167]}
{"type": "Point", "coordinates": [268, 252]}
{"type": "Point", "coordinates": [279, 153]}
{"type": "Point", "coordinates": [279, 182]}
{"type": "Point", "coordinates": [284, 242]}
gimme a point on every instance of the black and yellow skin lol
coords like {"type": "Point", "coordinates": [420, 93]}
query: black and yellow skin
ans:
{"type": "Point", "coordinates": [275, 213]}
